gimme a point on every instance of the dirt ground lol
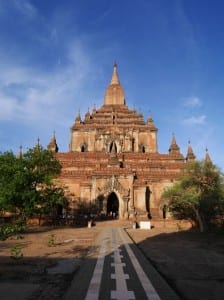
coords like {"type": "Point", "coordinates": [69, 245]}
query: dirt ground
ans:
{"type": "Point", "coordinates": [40, 249]}
{"type": "Point", "coordinates": [191, 262]}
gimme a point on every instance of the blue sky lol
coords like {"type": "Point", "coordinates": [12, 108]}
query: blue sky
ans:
{"type": "Point", "coordinates": [56, 58]}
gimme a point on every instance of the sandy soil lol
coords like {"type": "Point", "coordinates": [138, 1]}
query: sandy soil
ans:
{"type": "Point", "coordinates": [192, 263]}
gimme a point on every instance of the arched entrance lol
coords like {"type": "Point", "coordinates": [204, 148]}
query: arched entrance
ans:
{"type": "Point", "coordinates": [113, 205]}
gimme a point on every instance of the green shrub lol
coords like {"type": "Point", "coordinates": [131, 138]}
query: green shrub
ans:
{"type": "Point", "coordinates": [51, 240]}
{"type": "Point", "coordinates": [16, 252]}
{"type": "Point", "coordinates": [10, 229]}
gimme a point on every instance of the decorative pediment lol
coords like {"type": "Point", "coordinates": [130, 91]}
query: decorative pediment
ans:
{"type": "Point", "coordinates": [113, 184]}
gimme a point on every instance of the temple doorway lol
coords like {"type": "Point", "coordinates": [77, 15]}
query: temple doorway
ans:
{"type": "Point", "coordinates": [113, 205]}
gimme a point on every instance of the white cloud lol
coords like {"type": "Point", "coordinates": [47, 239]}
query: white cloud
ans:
{"type": "Point", "coordinates": [103, 16]}
{"type": "Point", "coordinates": [42, 93]}
{"type": "Point", "coordinates": [10, 108]}
{"type": "Point", "coordinates": [23, 7]}
{"type": "Point", "coordinates": [192, 102]}
{"type": "Point", "coordinates": [199, 120]}
{"type": "Point", "coordinates": [78, 57]}
{"type": "Point", "coordinates": [26, 8]}
{"type": "Point", "coordinates": [35, 96]}
{"type": "Point", "coordinates": [12, 74]}
{"type": "Point", "coordinates": [186, 28]}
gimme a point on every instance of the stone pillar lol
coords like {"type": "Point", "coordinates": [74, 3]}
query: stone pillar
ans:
{"type": "Point", "coordinates": [137, 142]}
{"type": "Point", "coordinates": [132, 198]}
{"type": "Point", "coordinates": [126, 211]}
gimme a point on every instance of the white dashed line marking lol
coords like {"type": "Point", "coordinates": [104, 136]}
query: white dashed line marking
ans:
{"type": "Point", "coordinates": [121, 292]}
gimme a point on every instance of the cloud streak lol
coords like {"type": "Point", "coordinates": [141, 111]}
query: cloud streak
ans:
{"type": "Point", "coordinates": [31, 95]}
{"type": "Point", "coordinates": [192, 102]}
{"type": "Point", "coordinates": [25, 8]}
{"type": "Point", "coordinates": [193, 120]}
{"type": "Point", "coordinates": [22, 7]}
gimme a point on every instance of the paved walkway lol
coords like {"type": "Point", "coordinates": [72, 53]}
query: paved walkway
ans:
{"type": "Point", "coordinates": [116, 269]}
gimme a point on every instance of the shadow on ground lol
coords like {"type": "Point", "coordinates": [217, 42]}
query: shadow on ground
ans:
{"type": "Point", "coordinates": [190, 261]}
{"type": "Point", "coordinates": [25, 263]}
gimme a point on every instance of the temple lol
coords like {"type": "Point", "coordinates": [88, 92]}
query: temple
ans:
{"type": "Point", "coordinates": [113, 164]}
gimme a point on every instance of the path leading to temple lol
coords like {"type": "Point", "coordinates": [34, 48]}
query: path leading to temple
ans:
{"type": "Point", "coordinates": [116, 269]}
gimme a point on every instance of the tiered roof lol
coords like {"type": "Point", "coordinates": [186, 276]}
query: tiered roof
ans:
{"type": "Point", "coordinates": [114, 111]}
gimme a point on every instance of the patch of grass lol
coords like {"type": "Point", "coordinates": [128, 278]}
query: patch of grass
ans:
{"type": "Point", "coordinates": [51, 240]}
{"type": "Point", "coordinates": [16, 252]}
{"type": "Point", "coordinates": [179, 227]}
{"type": "Point", "coordinates": [10, 229]}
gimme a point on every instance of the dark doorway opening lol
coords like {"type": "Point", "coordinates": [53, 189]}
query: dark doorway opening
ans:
{"type": "Point", "coordinates": [113, 147]}
{"type": "Point", "coordinates": [59, 210]}
{"type": "Point", "coordinates": [112, 205]}
{"type": "Point", "coordinates": [147, 202]}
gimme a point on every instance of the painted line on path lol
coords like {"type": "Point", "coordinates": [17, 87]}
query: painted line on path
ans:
{"type": "Point", "coordinates": [146, 283]}
{"type": "Point", "coordinates": [94, 287]}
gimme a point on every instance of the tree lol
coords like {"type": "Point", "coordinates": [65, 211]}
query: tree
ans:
{"type": "Point", "coordinates": [198, 195]}
{"type": "Point", "coordinates": [10, 177]}
{"type": "Point", "coordinates": [23, 180]}
{"type": "Point", "coordinates": [52, 198]}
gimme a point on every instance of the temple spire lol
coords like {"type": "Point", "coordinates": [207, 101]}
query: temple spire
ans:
{"type": "Point", "coordinates": [150, 123]}
{"type": "Point", "coordinates": [115, 78]}
{"type": "Point", "coordinates": [190, 154]}
{"type": "Point", "coordinates": [174, 148]}
{"type": "Point", "coordinates": [78, 118]}
{"type": "Point", "coordinates": [20, 153]}
{"type": "Point", "coordinates": [53, 144]}
{"type": "Point", "coordinates": [37, 147]}
{"type": "Point", "coordinates": [114, 93]}
{"type": "Point", "coordinates": [207, 156]}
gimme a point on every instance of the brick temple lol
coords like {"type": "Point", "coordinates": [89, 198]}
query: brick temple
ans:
{"type": "Point", "coordinates": [113, 161]}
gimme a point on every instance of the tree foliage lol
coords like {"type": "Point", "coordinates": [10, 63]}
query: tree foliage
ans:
{"type": "Point", "coordinates": [27, 182]}
{"type": "Point", "coordinates": [198, 195]}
